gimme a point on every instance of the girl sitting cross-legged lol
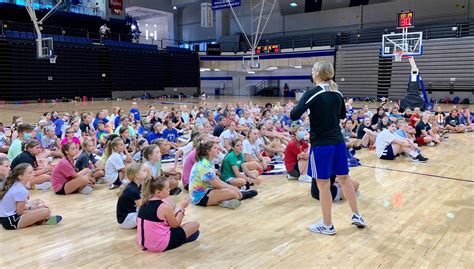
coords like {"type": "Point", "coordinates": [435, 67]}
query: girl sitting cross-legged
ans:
{"type": "Point", "coordinates": [16, 211]}
{"type": "Point", "coordinates": [205, 187]}
{"type": "Point", "coordinates": [160, 226]}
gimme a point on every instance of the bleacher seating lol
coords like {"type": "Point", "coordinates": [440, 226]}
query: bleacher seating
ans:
{"type": "Point", "coordinates": [56, 38]}
{"type": "Point", "coordinates": [446, 66]}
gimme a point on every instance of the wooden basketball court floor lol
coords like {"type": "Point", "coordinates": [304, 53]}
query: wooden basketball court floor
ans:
{"type": "Point", "coordinates": [419, 215]}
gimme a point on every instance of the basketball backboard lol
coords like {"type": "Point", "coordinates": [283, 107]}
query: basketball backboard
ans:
{"type": "Point", "coordinates": [402, 44]}
{"type": "Point", "coordinates": [250, 62]}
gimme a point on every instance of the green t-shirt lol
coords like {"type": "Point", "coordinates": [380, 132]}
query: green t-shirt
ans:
{"type": "Point", "coordinates": [15, 149]}
{"type": "Point", "coordinates": [231, 160]}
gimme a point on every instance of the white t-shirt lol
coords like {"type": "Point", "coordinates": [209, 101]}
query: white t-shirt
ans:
{"type": "Point", "coordinates": [227, 134]}
{"type": "Point", "coordinates": [113, 164]}
{"type": "Point", "coordinates": [383, 139]}
{"type": "Point", "coordinates": [244, 121]}
{"type": "Point", "coordinates": [252, 149]}
{"type": "Point", "coordinates": [16, 193]}
{"type": "Point", "coordinates": [187, 149]}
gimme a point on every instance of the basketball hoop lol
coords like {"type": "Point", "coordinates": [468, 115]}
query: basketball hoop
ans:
{"type": "Point", "coordinates": [52, 60]}
{"type": "Point", "coordinates": [398, 55]}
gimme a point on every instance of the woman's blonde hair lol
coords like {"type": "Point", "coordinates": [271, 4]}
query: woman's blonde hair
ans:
{"type": "Point", "coordinates": [150, 186]}
{"type": "Point", "coordinates": [325, 71]}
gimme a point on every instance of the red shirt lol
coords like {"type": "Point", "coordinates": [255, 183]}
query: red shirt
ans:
{"type": "Point", "coordinates": [62, 173]}
{"type": "Point", "coordinates": [414, 119]}
{"type": "Point", "coordinates": [291, 153]}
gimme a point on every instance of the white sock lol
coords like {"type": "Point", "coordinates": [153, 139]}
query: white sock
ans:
{"type": "Point", "coordinates": [413, 153]}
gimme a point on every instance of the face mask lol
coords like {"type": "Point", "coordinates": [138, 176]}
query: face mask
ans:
{"type": "Point", "coordinates": [300, 135]}
{"type": "Point", "coordinates": [27, 136]}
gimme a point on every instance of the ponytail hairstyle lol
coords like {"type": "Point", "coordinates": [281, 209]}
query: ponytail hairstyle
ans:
{"type": "Point", "coordinates": [150, 186]}
{"type": "Point", "coordinates": [197, 140]}
{"type": "Point", "coordinates": [132, 171]}
{"type": "Point", "coordinates": [148, 151]}
{"type": "Point", "coordinates": [110, 148]}
{"type": "Point", "coordinates": [46, 129]}
{"type": "Point", "coordinates": [325, 71]}
{"type": "Point", "coordinates": [30, 144]}
{"type": "Point", "coordinates": [13, 177]}
{"type": "Point", "coordinates": [203, 149]}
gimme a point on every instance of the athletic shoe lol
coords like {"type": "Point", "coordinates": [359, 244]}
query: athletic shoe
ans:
{"type": "Point", "coordinates": [358, 221]}
{"type": "Point", "coordinates": [231, 204]}
{"type": "Point", "coordinates": [86, 190]}
{"type": "Point", "coordinates": [175, 191]}
{"type": "Point", "coordinates": [248, 194]}
{"type": "Point", "coordinates": [431, 144]}
{"type": "Point", "coordinates": [53, 220]}
{"type": "Point", "coordinates": [291, 178]}
{"type": "Point", "coordinates": [304, 179]}
{"type": "Point", "coordinates": [320, 228]}
{"type": "Point", "coordinates": [43, 186]}
{"type": "Point", "coordinates": [419, 159]}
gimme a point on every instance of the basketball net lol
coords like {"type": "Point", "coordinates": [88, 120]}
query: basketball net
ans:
{"type": "Point", "coordinates": [398, 55]}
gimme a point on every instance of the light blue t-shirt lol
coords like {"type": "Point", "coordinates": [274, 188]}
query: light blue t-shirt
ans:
{"type": "Point", "coordinates": [16, 193]}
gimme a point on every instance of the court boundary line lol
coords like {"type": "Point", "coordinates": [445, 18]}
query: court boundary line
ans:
{"type": "Point", "coordinates": [417, 173]}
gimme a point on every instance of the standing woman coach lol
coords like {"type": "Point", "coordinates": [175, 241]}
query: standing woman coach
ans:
{"type": "Point", "coordinates": [328, 154]}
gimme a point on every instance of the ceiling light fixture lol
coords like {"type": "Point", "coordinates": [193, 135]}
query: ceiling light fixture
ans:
{"type": "Point", "coordinates": [293, 4]}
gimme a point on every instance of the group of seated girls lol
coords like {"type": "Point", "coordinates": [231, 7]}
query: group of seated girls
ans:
{"type": "Point", "coordinates": [224, 155]}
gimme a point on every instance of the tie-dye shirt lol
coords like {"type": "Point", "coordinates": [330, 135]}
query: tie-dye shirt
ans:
{"type": "Point", "coordinates": [201, 173]}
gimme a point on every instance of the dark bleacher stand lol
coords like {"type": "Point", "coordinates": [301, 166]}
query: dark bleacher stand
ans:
{"type": "Point", "coordinates": [80, 67]}
{"type": "Point", "coordinates": [73, 24]}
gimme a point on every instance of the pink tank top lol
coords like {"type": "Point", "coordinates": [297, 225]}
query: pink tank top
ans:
{"type": "Point", "coordinates": [153, 233]}
{"type": "Point", "coordinates": [188, 165]}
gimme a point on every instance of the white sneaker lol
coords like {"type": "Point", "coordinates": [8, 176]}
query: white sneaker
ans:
{"type": "Point", "coordinates": [358, 221]}
{"type": "Point", "coordinates": [86, 190]}
{"type": "Point", "coordinates": [231, 204]}
{"type": "Point", "coordinates": [320, 228]}
{"type": "Point", "coordinates": [43, 186]}
{"type": "Point", "coordinates": [304, 179]}
{"type": "Point", "coordinates": [431, 144]}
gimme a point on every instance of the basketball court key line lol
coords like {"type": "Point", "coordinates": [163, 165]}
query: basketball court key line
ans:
{"type": "Point", "coordinates": [417, 173]}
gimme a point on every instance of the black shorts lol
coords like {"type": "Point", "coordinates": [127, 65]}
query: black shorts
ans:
{"type": "Point", "coordinates": [177, 238]}
{"type": "Point", "coordinates": [204, 199]}
{"type": "Point", "coordinates": [62, 191]}
{"type": "Point", "coordinates": [388, 153]}
{"type": "Point", "coordinates": [295, 172]}
{"type": "Point", "coordinates": [10, 223]}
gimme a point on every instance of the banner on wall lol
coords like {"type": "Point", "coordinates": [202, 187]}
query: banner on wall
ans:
{"type": "Point", "coordinates": [222, 4]}
{"type": "Point", "coordinates": [207, 18]}
{"type": "Point", "coordinates": [116, 4]}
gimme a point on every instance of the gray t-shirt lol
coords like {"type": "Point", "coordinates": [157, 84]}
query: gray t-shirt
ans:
{"type": "Point", "coordinates": [16, 193]}
{"type": "Point", "coordinates": [114, 163]}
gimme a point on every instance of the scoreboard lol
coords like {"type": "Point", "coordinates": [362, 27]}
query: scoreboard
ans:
{"type": "Point", "coordinates": [406, 19]}
{"type": "Point", "coordinates": [267, 49]}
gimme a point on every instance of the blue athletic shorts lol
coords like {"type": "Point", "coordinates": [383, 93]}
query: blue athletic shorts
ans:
{"type": "Point", "coordinates": [325, 161]}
